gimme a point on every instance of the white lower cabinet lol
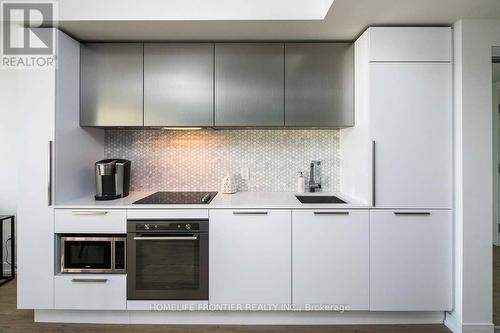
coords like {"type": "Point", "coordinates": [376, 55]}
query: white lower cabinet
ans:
{"type": "Point", "coordinates": [250, 257]}
{"type": "Point", "coordinates": [91, 221]}
{"type": "Point", "coordinates": [377, 260]}
{"type": "Point", "coordinates": [90, 292]}
{"type": "Point", "coordinates": [410, 260]}
{"type": "Point", "coordinates": [330, 265]}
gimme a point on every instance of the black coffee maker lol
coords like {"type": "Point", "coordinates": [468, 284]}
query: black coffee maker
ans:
{"type": "Point", "coordinates": [112, 179]}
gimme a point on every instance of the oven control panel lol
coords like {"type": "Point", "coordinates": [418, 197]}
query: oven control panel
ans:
{"type": "Point", "coordinates": [167, 226]}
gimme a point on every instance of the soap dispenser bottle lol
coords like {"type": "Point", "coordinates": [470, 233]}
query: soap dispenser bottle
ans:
{"type": "Point", "coordinates": [301, 185]}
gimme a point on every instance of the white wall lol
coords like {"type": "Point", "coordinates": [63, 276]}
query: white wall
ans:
{"type": "Point", "coordinates": [8, 149]}
{"type": "Point", "coordinates": [473, 177]}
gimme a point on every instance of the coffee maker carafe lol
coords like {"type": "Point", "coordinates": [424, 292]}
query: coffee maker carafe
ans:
{"type": "Point", "coordinates": [112, 179]}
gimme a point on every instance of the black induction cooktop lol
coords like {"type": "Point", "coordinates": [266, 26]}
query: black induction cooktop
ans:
{"type": "Point", "coordinates": [163, 198]}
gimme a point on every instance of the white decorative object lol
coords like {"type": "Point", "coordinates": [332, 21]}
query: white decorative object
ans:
{"type": "Point", "coordinates": [228, 185]}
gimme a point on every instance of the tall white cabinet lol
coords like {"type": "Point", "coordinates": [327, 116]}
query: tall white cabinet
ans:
{"type": "Point", "coordinates": [398, 158]}
{"type": "Point", "coordinates": [399, 153]}
{"type": "Point", "coordinates": [50, 168]}
{"type": "Point", "coordinates": [410, 127]}
{"type": "Point", "coordinates": [35, 236]}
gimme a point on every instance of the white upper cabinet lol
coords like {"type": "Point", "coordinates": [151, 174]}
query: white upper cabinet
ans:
{"type": "Point", "coordinates": [410, 44]}
{"type": "Point", "coordinates": [411, 126]}
{"type": "Point", "coordinates": [250, 257]}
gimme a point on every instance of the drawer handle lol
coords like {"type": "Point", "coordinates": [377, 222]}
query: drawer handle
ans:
{"type": "Point", "coordinates": [250, 213]}
{"type": "Point", "coordinates": [412, 213]}
{"type": "Point", "coordinates": [89, 280]}
{"type": "Point", "coordinates": [331, 213]}
{"type": "Point", "coordinates": [89, 212]}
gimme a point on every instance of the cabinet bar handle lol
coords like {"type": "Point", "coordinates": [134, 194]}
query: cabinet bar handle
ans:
{"type": "Point", "coordinates": [49, 174]}
{"type": "Point", "coordinates": [89, 280]}
{"type": "Point", "coordinates": [249, 213]}
{"type": "Point", "coordinates": [177, 238]}
{"type": "Point", "coordinates": [331, 213]}
{"type": "Point", "coordinates": [88, 212]}
{"type": "Point", "coordinates": [374, 151]}
{"type": "Point", "coordinates": [412, 213]}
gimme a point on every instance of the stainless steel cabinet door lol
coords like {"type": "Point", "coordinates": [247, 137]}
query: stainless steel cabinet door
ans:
{"type": "Point", "coordinates": [178, 84]}
{"type": "Point", "coordinates": [111, 84]}
{"type": "Point", "coordinates": [249, 87]}
{"type": "Point", "coordinates": [319, 84]}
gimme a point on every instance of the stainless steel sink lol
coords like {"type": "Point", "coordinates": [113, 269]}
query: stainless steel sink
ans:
{"type": "Point", "coordinates": [319, 199]}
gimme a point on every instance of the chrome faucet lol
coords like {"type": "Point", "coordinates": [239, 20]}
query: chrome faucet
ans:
{"type": "Point", "coordinates": [313, 185]}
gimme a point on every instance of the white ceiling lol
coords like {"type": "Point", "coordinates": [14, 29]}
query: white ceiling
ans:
{"type": "Point", "coordinates": [188, 10]}
{"type": "Point", "coordinates": [345, 20]}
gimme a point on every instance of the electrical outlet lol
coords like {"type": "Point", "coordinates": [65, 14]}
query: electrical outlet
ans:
{"type": "Point", "coordinates": [245, 173]}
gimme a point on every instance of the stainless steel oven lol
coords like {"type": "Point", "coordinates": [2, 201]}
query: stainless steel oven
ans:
{"type": "Point", "coordinates": [167, 260]}
{"type": "Point", "coordinates": [93, 254]}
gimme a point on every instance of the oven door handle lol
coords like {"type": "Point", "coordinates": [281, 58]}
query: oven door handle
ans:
{"type": "Point", "coordinates": [168, 238]}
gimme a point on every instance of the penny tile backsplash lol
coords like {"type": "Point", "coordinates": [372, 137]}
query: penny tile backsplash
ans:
{"type": "Point", "coordinates": [198, 160]}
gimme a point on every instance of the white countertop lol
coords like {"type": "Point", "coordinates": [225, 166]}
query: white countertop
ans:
{"type": "Point", "coordinates": [249, 200]}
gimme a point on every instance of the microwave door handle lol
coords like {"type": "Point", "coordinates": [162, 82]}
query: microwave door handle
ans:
{"type": "Point", "coordinates": [167, 238]}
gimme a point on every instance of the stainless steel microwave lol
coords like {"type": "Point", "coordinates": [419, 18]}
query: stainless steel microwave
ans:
{"type": "Point", "coordinates": [93, 254]}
